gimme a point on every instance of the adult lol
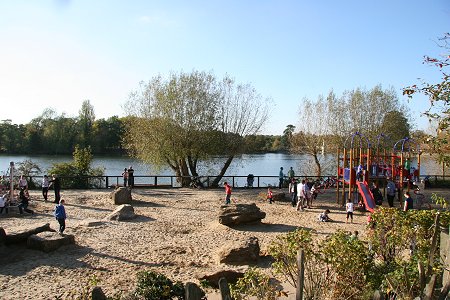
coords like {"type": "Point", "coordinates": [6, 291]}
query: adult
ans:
{"type": "Point", "coordinates": [293, 191]}
{"type": "Point", "coordinates": [307, 193]}
{"type": "Point", "coordinates": [280, 178]}
{"type": "Point", "coordinates": [56, 183]}
{"type": "Point", "coordinates": [390, 191]}
{"type": "Point", "coordinates": [408, 202]}
{"type": "Point", "coordinates": [227, 192]}
{"type": "Point", "coordinates": [45, 185]}
{"type": "Point", "coordinates": [125, 177]}
{"type": "Point", "coordinates": [300, 195]}
{"type": "Point", "coordinates": [130, 177]}
{"type": "Point", "coordinates": [376, 193]}
{"type": "Point", "coordinates": [291, 174]}
{"type": "Point", "coordinates": [60, 215]}
{"type": "Point", "coordinates": [23, 184]}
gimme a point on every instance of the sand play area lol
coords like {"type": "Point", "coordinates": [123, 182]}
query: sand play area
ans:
{"type": "Point", "coordinates": [176, 233]}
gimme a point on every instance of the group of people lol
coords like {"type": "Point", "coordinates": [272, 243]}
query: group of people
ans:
{"type": "Point", "coordinates": [128, 177]}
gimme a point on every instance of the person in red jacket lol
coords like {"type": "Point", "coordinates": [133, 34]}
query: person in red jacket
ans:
{"type": "Point", "coordinates": [269, 195]}
{"type": "Point", "coordinates": [227, 192]}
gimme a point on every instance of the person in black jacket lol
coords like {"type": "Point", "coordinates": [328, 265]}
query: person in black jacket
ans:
{"type": "Point", "coordinates": [56, 183]}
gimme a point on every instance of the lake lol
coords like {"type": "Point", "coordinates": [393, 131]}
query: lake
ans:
{"type": "Point", "coordinates": [267, 164]}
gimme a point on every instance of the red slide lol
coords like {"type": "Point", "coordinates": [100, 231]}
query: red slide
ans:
{"type": "Point", "coordinates": [367, 195]}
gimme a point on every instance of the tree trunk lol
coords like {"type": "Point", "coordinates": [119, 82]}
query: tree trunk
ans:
{"type": "Point", "coordinates": [219, 177]}
{"type": "Point", "coordinates": [23, 236]}
{"type": "Point", "coordinates": [319, 167]}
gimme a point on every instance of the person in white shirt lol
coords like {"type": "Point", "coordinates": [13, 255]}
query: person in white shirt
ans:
{"type": "Point", "coordinates": [349, 209]}
{"type": "Point", "coordinates": [45, 185]}
{"type": "Point", "coordinates": [300, 195]}
{"type": "Point", "coordinates": [4, 203]}
{"type": "Point", "coordinates": [23, 184]}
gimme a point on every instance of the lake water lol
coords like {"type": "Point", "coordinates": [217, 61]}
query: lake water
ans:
{"type": "Point", "coordinates": [258, 164]}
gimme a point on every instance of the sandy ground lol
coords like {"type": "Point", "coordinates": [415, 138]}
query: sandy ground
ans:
{"type": "Point", "coordinates": [176, 233]}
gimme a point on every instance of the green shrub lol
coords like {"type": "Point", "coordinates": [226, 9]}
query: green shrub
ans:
{"type": "Point", "coordinates": [254, 284]}
{"type": "Point", "coordinates": [154, 286]}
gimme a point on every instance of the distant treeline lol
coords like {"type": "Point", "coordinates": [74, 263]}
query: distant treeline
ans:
{"type": "Point", "coordinates": [58, 135]}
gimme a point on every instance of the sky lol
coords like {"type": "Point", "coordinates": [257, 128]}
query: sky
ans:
{"type": "Point", "coordinates": [58, 53]}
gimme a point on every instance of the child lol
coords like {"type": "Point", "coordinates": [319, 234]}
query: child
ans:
{"type": "Point", "coordinates": [24, 201]}
{"type": "Point", "coordinates": [269, 195]}
{"type": "Point", "coordinates": [227, 192]}
{"type": "Point", "coordinates": [349, 210]}
{"type": "Point", "coordinates": [4, 203]}
{"type": "Point", "coordinates": [60, 215]}
{"type": "Point", "coordinates": [323, 217]}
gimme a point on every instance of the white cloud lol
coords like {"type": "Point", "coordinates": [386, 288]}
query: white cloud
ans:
{"type": "Point", "coordinates": [158, 19]}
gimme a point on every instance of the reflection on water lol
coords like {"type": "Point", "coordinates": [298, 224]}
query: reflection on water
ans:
{"type": "Point", "coordinates": [258, 164]}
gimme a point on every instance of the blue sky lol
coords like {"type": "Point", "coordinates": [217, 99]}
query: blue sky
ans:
{"type": "Point", "coordinates": [58, 53]}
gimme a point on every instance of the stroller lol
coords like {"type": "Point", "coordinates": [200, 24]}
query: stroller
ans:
{"type": "Point", "coordinates": [250, 179]}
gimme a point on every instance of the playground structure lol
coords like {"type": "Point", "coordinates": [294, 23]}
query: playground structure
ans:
{"type": "Point", "coordinates": [358, 167]}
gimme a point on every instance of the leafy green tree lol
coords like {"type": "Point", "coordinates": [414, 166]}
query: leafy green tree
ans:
{"type": "Point", "coordinates": [438, 94]}
{"type": "Point", "coordinates": [189, 117]}
{"type": "Point", "coordinates": [396, 125]}
{"type": "Point", "coordinates": [86, 118]}
{"type": "Point", "coordinates": [287, 137]}
{"type": "Point", "coordinates": [78, 171]}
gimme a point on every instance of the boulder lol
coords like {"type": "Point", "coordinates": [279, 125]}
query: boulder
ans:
{"type": "Point", "coordinates": [49, 241]}
{"type": "Point", "coordinates": [231, 276]}
{"type": "Point", "coordinates": [240, 253]}
{"type": "Point", "coordinates": [91, 223]}
{"type": "Point", "coordinates": [121, 195]}
{"type": "Point", "coordinates": [122, 213]}
{"type": "Point", "coordinates": [235, 214]}
{"type": "Point", "coordinates": [277, 196]}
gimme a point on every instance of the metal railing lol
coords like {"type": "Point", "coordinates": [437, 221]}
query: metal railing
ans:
{"type": "Point", "coordinates": [167, 181]}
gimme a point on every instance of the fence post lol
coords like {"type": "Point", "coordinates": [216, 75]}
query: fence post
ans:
{"type": "Point", "coordinates": [193, 292]}
{"type": "Point", "coordinates": [301, 274]}
{"type": "Point", "coordinates": [224, 289]}
{"type": "Point", "coordinates": [107, 181]}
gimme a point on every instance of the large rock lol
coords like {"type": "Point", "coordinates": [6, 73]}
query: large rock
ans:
{"type": "Point", "coordinates": [231, 276]}
{"type": "Point", "coordinates": [235, 214]}
{"type": "Point", "coordinates": [276, 196]}
{"type": "Point", "coordinates": [49, 241]}
{"type": "Point", "coordinates": [121, 195]}
{"type": "Point", "coordinates": [122, 213]}
{"type": "Point", "coordinates": [243, 253]}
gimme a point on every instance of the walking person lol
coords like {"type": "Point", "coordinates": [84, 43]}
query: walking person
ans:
{"type": "Point", "coordinates": [60, 215]}
{"type": "Point", "coordinates": [130, 176]}
{"type": "Point", "coordinates": [56, 183]}
{"type": "Point", "coordinates": [280, 178]}
{"type": "Point", "coordinates": [390, 193]}
{"type": "Point", "coordinates": [270, 195]}
{"type": "Point", "coordinates": [227, 192]}
{"type": "Point", "coordinates": [45, 185]}
{"type": "Point", "coordinates": [349, 209]}
{"type": "Point", "coordinates": [300, 195]}
{"type": "Point", "coordinates": [125, 177]}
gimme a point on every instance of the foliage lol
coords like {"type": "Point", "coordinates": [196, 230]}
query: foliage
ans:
{"type": "Point", "coordinates": [402, 240]}
{"type": "Point", "coordinates": [155, 286]}
{"type": "Point", "coordinates": [76, 173]}
{"type": "Point", "coordinates": [349, 262]}
{"type": "Point", "coordinates": [254, 284]}
{"type": "Point", "coordinates": [284, 251]}
{"type": "Point", "coordinates": [440, 200]}
{"type": "Point", "coordinates": [438, 94]}
{"type": "Point", "coordinates": [189, 117]}
{"type": "Point", "coordinates": [28, 168]}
